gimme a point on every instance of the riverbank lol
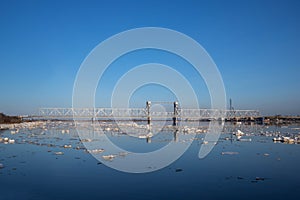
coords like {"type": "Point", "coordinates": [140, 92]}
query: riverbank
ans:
{"type": "Point", "coordinates": [279, 119]}
{"type": "Point", "coordinates": [5, 119]}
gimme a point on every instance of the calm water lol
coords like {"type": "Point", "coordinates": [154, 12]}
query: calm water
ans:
{"type": "Point", "coordinates": [32, 170]}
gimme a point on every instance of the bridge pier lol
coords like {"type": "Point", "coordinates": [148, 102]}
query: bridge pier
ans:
{"type": "Point", "coordinates": [175, 117]}
{"type": "Point", "coordinates": [148, 105]}
{"type": "Point", "coordinates": [176, 135]}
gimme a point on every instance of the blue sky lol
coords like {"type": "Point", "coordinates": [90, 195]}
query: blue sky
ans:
{"type": "Point", "coordinates": [255, 45]}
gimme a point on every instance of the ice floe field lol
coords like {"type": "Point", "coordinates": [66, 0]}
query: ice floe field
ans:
{"type": "Point", "coordinates": [48, 160]}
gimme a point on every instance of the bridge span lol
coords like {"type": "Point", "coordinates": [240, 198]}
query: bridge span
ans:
{"type": "Point", "coordinates": [145, 114]}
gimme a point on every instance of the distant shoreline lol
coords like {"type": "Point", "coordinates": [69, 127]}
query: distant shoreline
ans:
{"type": "Point", "coordinates": [268, 120]}
{"type": "Point", "coordinates": [5, 119]}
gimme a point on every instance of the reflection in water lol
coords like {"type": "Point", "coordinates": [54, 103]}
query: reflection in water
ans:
{"type": "Point", "coordinates": [48, 161]}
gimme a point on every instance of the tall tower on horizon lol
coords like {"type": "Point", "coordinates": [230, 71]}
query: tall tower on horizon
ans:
{"type": "Point", "coordinates": [230, 105]}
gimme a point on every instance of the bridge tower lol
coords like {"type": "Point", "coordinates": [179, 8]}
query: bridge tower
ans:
{"type": "Point", "coordinates": [148, 106]}
{"type": "Point", "coordinates": [175, 116]}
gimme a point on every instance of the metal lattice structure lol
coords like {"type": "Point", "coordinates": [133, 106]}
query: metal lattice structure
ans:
{"type": "Point", "coordinates": [140, 113]}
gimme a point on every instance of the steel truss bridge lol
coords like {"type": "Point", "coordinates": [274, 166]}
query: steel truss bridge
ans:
{"type": "Point", "coordinates": [144, 113]}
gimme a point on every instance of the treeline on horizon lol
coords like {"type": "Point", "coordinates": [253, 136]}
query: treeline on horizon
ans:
{"type": "Point", "coordinates": [5, 119]}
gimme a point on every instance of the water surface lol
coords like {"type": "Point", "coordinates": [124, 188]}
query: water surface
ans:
{"type": "Point", "coordinates": [256, 169]}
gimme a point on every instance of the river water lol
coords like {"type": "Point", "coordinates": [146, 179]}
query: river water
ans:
{"type": "Point", "coordinates": [40, 164]}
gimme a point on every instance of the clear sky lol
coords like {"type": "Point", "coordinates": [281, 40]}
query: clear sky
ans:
{"type": "Point", "coordinates": [255, 44]}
